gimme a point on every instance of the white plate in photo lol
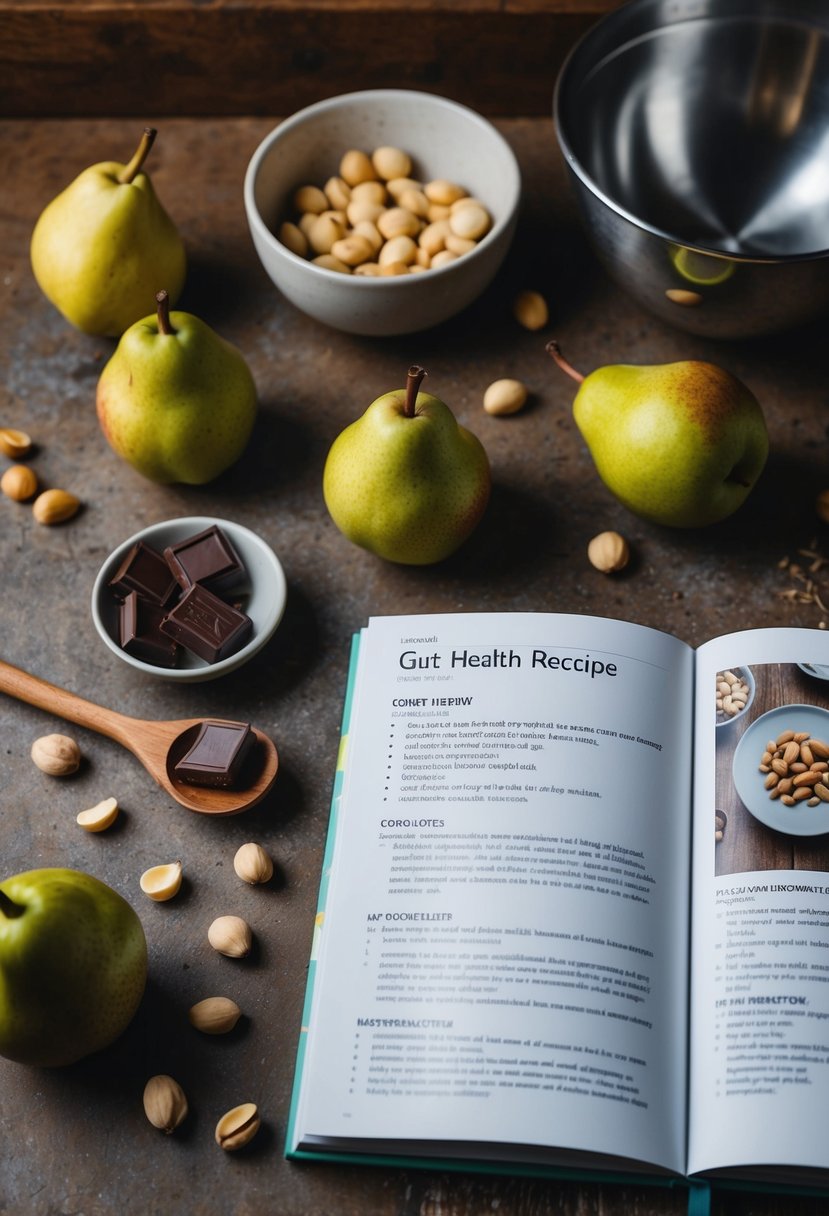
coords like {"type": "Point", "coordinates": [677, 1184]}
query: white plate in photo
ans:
{"type": "Point", "coordinates": [820, 671]}
{"type": "Point", "coordinates": [797, 820]}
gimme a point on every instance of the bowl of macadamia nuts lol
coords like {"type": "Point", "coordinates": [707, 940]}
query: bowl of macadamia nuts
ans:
{"type": "Point", "coordinates": [382, 212]}
{"type": "Point", "coordinates": [735, 693]}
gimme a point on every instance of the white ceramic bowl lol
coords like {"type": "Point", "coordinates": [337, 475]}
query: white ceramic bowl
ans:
{"type": "Point", "coordinates": [264, 599]}
{"type": "Point", "coordinates": [444, 140]}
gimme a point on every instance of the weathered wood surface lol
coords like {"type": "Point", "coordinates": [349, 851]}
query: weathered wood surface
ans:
{"type": "Point", "coordinates": [273, 56]}
{"type": "Point", "coordinates": [77, 1140]}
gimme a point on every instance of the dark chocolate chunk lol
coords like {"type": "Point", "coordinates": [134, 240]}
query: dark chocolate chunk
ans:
{"type": "Point", "coordinates": [144, 570]}
{"type": "Point", "coordinates": [139, 625]}
{"type": "Point", "coordinates": [217, 756]}
{"type": "Point", "coordinates": [206, 625]}
{"type": "Point", "coordinates": [207, 558]}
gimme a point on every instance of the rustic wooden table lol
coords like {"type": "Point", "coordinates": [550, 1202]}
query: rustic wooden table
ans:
{"type": "Point", "coordinates": [76, 1139]}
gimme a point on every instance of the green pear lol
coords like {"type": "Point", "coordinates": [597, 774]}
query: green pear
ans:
{"type": "Point", "coordinates": [104, 246]}
{"type": "Point", "coordinates": [680, 444]}
{"type": "Point", "coordinates": [175, 400]}
{"type": "Point", "coordinates": [73, 965]}
{"type": "Point", "coordinates": [406, 481]}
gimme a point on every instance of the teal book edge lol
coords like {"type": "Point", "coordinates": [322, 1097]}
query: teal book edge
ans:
{"type": "Point", "coordinates": [328, 856]}
{"type": "Point", "coordinates": [699, 1191]}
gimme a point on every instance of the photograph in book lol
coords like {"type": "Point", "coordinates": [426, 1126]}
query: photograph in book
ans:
{"type": "Point", "coordinates": [772, 738]}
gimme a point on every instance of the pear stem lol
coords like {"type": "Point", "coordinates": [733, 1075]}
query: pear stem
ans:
{"type": "Point", "coordinates": [163, 313]}
{"type": "Point", "coordinates": [414, 378]}
{"type": "Point", "coordinates": [9, 908]}
{"type": "Point", "coordinates": [553, 348]}
{"type": "Point", "coordinates": [130, 170]}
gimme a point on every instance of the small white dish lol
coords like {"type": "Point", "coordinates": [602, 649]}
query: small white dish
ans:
{"type": "Point", "coordinates": [264, 596]}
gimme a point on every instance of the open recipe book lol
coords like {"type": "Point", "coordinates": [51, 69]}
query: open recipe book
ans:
{"type": "Point", "coordinates": [574, 913]}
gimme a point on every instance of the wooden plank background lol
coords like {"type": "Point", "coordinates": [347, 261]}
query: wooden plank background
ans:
{"type": "Point", "coordinates": [118, 58]}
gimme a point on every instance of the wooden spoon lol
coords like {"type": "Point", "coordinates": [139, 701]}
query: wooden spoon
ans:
{"type": "Point", "coordinates": [158, 745]}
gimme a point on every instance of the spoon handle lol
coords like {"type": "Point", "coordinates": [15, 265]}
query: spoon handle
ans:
{"type": "Point", "coordinates": [40, 693]}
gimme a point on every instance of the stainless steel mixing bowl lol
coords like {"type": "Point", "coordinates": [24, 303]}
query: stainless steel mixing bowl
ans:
{"type": "Point", "coordinates": [697, 138]}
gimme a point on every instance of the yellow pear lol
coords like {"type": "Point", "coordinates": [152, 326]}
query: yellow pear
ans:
{"type": "Point", "coordinates": [103, 248]}
{"type": "Point", "coordinates": [406, 481]}
{"type": "Point", "coordinates": [176, 400]}
{"type": "Point", "coordinates": [681, 444]}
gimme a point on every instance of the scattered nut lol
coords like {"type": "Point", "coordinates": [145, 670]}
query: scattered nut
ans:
{"type": "Point", "coordinates": [608, 552]}
{"type": "Point", "coordinates": [505, 397]}
{"type": "Point", "coordinates": [14, 444]}
{"type": "Point", "coordinates": [164, 1103]}
{"type": "Point", "coordinates": [55, 506]}
{"type": "Point", "coordinates": [530, 310]}
{"type": "Point", "coordinates": [162, 882]}
{"type": "Point", "coordinates": [253, 864]}
{"type": "Point", "coordinates": [100, 817]}
{"type": "Point", "coordinates": [238, 1127]}
{"type": "Point", "coordinates": [19, 482]}
{"type": "Point", "coordinates": [214, 1015]}
{"type": "Point", "coordinates": [231, 936]}
{"type": "Point", "coordinates": [57, 755]}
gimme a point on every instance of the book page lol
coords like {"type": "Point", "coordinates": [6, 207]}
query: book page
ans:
{"type": "Point", "coordinates": [503, 953]}
{"type": "Point", "coordinates": [760, 962]}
